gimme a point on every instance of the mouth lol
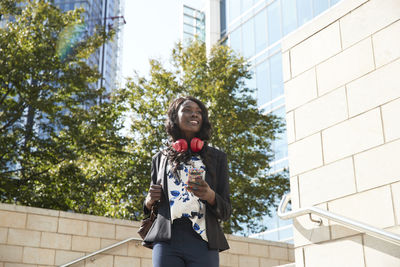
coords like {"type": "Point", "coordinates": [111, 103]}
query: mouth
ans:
{"type": "Point", "coordinates": [195, 123]}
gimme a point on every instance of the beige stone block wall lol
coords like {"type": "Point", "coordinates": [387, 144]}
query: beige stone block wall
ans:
{"type": "Point", "coordinates": [342, 91]}
{"type": "Point", "coordinates": [33, 237]}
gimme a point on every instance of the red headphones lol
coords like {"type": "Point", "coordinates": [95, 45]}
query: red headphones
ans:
{"type": "Point", "coordinates": [196, 144]}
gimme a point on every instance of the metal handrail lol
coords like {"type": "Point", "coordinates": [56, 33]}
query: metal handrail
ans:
{"type": "Point", "coordinates": [101, 251]}
{"type": "Point", "coordinates": [356, 225]}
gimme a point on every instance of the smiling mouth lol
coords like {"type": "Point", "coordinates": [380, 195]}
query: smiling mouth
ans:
{"type": "Point", "coordinates": [194, 122]}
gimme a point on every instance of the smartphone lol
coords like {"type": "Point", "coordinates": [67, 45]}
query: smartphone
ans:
{"type": "Point", "coordinates": [195, 175]}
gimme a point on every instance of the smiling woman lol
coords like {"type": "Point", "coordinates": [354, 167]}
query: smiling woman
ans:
{"type": "Point", "coordinates": [190, 119]}
{"type": "Point", "coordinates": [190, 184]}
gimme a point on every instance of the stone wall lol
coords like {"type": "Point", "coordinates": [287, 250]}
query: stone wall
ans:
{"type": "Point", "coordinates": [342, 90]}
{"type": "Point", "coordinates": [33, 237]}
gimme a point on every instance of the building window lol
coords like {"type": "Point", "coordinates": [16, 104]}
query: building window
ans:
{"type": "Point", "coordinates": [289, 16]}
{"type": "Point", "coordinates": [320, 6]}
{"type": "Point", "coordinates": [222, 11]}
{"type": "Point", "coordinates": [246, 5]}
{"type": "Point", "coordinates": [234, 10]}
{"type": "Point", "coordinates": [248, 38]}
{"type": "Point", "coordinates": [333, 2]}
{"type": "Point", "coordinates": [276, 75]}
{"type": "Point", "coordinates": [193, 24]}
{"type": "Point", "coordinates": [235, 40]}
{"type": "Point", "coordinates": [280, 145]}
{"type": "Point", "coordinates": [304, 11]}
{"type": "Point", "coordinates": [274, 23]}
{"type": "Point", "coordinates": [263, 83]}
{"type": "Point", "coordinates": [260, 21]}
{"type": "Point", "coordinates": [251, 84]}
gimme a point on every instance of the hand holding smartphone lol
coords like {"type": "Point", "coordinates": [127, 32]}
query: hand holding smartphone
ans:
{"type": "Point", "coordinates": [195, 179]}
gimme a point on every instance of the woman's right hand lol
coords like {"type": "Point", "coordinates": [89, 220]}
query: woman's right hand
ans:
{"type": "Point", "coordinates": [154, 194]}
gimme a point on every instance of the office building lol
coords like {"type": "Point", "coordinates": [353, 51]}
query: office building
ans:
{"type": "Point", "coordinates": [342, 111]}
{"type": "Point", "coordinates": [108, 14]}
{"type": "Point", "coordinates": [108, 57]}
{"type": "Point", "coordinates": [193, 24]}
{"type": "Point", "coordinates": [255, 29]}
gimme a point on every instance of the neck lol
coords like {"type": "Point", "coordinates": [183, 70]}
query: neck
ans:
{"type": "Point", "coordinates": [189, 137]}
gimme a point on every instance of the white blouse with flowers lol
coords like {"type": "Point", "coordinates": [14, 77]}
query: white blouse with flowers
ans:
{"type": "Point", "coordinates": [185, 204]}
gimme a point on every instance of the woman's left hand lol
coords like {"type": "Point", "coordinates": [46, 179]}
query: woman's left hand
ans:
{"type": "Point", "coordinates": [201, 189]}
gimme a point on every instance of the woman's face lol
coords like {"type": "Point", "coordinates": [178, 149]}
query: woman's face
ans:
{"type": "Point", "coordinates": [189, 118]}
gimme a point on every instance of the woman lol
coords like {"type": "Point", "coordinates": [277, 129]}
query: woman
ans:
{"type": "Point", "coordinates": [190, 184]}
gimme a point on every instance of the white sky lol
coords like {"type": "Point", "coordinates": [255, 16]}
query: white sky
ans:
{"type": "Point", "coordinates": [151, 30]}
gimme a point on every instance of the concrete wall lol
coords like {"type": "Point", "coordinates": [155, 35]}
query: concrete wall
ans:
{"type": "Point", "coordinates": [33, 237]}
{"type": "Point", "coordinates": [342, 89]}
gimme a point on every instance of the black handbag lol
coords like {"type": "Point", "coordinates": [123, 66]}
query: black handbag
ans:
{"type": "Point", "coordinates": [146, 223]}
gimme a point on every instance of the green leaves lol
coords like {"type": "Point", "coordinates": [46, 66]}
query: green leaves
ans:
{"type": "Point", "coordinates": [62, 148]}
{"type": "Point", "coordinates": [59, 147]}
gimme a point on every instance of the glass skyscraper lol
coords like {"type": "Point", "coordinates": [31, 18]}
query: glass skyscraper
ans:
{"type": "Point", "coordinates": [254, 29]}
{"type": "Point", "coordinates": [193, 24]}
{"type": "Point", "coordinates": [108, 14]}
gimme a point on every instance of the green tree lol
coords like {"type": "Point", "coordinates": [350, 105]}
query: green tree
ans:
{"type": "Point", "coordinates": [61, 147]}
{"type": "Point", "coordinates": [239, 128]}
{"type": "Point", "coordinates": [59, 135]}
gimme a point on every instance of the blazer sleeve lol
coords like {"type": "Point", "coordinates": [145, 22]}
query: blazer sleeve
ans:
{"type": "Point", "coordinates": [155, 162]}
{"type": "Point", "coordinates": [222, 208]}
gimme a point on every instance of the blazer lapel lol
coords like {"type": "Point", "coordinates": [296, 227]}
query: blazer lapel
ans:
{"type": "Point", "coordinates": [161, 177]}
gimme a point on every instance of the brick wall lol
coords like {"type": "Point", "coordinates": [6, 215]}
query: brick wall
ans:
{"type": "Point", "coordinates": [342, 90]}
{"type": "Point", "coordinates": [33, 237]}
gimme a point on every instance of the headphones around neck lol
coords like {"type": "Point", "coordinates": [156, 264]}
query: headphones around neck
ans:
{"type": "Point", "coordinates": [181, 145]}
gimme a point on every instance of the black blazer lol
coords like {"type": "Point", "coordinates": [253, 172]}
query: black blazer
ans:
{"type": "Point", "coordinates": [221, 211]}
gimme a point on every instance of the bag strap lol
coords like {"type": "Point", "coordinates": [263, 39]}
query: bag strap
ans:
{"type": "Point", "coordinates": [154, 211]}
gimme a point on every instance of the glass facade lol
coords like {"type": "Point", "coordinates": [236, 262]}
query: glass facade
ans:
{"type": "Point", "coordinates": [108, 14]}
{"type": "Point", "coordinates": [254, 29]}
{"type": "Point", "coordinates": [194, 24]}
{"type": "Point", "coordinates": [99, 12]}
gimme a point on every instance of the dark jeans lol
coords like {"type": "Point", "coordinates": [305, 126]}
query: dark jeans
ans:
{"type": "Point", "coordinates": [185, 249]}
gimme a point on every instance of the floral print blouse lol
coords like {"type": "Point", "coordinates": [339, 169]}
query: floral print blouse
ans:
{"type": "Point", "coordinates": [182, 202]}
